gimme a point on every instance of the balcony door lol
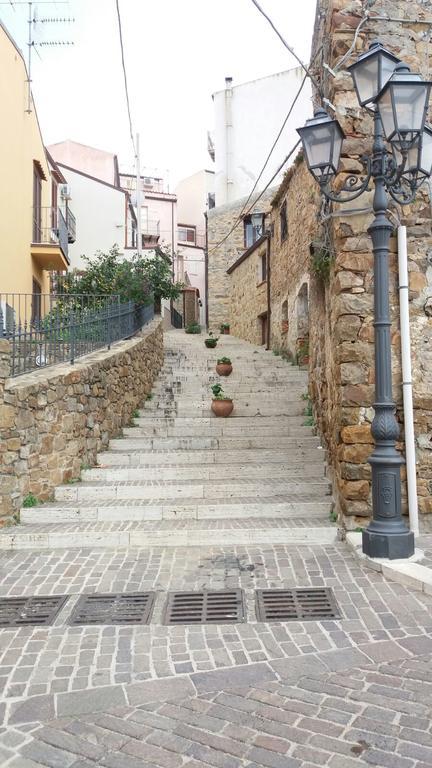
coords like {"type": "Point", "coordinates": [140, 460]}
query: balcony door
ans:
{"type": "Point", "coordinates": [37, 204]}
{"type": "Point", "coordinates": [36, 303]}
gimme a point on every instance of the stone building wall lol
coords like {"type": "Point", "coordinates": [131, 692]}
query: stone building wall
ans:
{"type": "Point", "coordinates": [223, 251]}
{"type": "Point", "coordinates": [290, 258]}
{"type": "Point", "coordinates": [248, 295]}
{"type": "Point", "coordinates": [341, 340]}
{"type": "Point", "coordinates": [54, 421]}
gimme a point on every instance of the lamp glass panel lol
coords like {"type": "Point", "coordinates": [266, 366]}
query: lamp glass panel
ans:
{"type": "Point", "coordinates": [366, 79]}
{"type": "Point", "coordinates": [388, 67]}
{"type": "Point", "coordinates": [409, 101]}
{"type": "Point", "coordinates": [426, 153]}
{"type": "Point", "coordinates": [318, 144]}
{"type": "Point", "coordinates": [337, 149]}
{"type": "Point", "coordinates": [386, 112]}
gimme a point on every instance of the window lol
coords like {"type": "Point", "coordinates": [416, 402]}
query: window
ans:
{"type": "Point", "coordinates": [186, 234]}
{"type": "Point", "coordinates": [253, 228]}
{"type": "Point", "coordinates": [263, 268]}
{"type": "Point", "coordinates": [283, 217]}
{"type": "Point", "coordinates": [37, 203]}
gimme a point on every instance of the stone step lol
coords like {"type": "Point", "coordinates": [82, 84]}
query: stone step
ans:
{"type": "Point", "coordinates": [167, 533]}
{"type": "Point", "coordinates": [203, 472]}
{"type": "Point", "coordinates": [220, 429]}
{"type": "Point", "coordinates": [214, 443]}
{"type": "Point", "coordinates": [268, 408]}
{"type": "Point", "coordinates": [195, 509]}
{"type": "Point", "coordinates": [204, 422]}
{"type": "Point", "coordinates": [134, 458]}
{"type": "Point", "coordinates": [193, 490]}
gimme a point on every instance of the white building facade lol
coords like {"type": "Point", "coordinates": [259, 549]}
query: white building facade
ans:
{"type": "Point", "coordinates": [248, 118]}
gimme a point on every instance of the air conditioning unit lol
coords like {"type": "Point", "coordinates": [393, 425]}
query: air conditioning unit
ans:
{"type": "Point", "coordinates": [65, 192]}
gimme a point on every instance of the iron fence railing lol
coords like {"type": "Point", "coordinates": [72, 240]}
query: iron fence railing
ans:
{"type": "Point", "coordinates": [44, 329]}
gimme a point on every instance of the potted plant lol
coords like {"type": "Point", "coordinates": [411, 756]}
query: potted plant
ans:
{"type": "Point", "coordinates": [225, 328]}
{"type": "Point", "coordinates": [211, 341]}
{"type": "Point", "coordinates": [224, 366]}
{"type": "Point", "coordinates": [221, 404]}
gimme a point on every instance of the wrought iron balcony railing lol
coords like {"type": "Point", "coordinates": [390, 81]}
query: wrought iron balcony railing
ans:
{"type": "Point", "coordinates": [50, 228]}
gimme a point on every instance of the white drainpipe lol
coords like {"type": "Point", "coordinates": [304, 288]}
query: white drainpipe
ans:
{"type": "Point", "coordinates": [407, 380]}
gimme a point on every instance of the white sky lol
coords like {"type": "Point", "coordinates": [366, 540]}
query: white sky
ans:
{"type": "Point", "coordinates": [178, 53]}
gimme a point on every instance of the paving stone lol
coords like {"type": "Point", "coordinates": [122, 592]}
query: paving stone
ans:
{"type": "Point", "coordinates": [91, 700]}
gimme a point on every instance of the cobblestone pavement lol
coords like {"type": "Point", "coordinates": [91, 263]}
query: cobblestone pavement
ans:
{"type": "Point", "coordinates": [60, 659]}
{"type": "Point", "coordinates": [377, 715]}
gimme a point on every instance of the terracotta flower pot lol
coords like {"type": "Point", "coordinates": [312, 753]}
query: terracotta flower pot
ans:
{"type": "Point", "coordinates": [222, 408]}
{"type": "Point", "coordinates": [224, 369]}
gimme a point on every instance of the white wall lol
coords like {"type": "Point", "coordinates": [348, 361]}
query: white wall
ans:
{"type": "Point", "coordinates": [244, 138]}
{"type": "Point", "coordinates": [100, 217]}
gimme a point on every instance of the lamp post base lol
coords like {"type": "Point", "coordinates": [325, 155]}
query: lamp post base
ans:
{"type": "Point", "coordinates": [393, 546]}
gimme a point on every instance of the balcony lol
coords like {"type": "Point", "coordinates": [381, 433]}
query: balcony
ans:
{"type": "Point", "coordinates": [71, 225]}
{"type": "Point", "coordinates": [50, 239]}
{"type": "Point", "coordinates": [150, 233]}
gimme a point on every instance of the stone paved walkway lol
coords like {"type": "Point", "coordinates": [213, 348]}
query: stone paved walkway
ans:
{"type": "Point", "coordinates": [343, 693]}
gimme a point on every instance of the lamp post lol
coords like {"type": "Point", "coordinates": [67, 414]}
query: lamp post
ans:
{"type": "Point", "coordinates": [399, 100]}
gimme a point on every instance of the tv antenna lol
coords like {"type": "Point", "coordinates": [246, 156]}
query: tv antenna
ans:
{"type": "Point", "coordinates": [35, 28]}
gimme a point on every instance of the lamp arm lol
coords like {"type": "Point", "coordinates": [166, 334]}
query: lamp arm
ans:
{"type": "Point", "coordinates": [405, 194]}
{"type": "Point", "coordinates": [351, 186]}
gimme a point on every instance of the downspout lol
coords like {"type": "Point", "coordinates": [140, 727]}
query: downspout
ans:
{"type": "Point", "coordinates": [206, 268]}
{"type": "Point", "coordinates": [268, 249]}
{"type": "Point", "coordinates": [407, 376]}
{"type": "Point", "coordinates": [407, 380]}
{"type": "Point", "coordinates": [228, 138]}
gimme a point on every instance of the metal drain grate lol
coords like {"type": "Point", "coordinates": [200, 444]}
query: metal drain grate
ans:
{"type": "Point", "coordinates": [30, 611]}
{"type": "Point", "coordinates": [123, 608]}
{"type": "Point", "coordinates": [206, 607]}
{"type": "Point", "coordinates": [296, 604]}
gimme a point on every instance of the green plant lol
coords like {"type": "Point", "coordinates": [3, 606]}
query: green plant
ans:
{"type": "Point", "coordinates": [333, 516]}
{"type": "Point", "coordinates": [321, 261]}
{"type": "Point", "coordinates": [276, 352]}
{"type": "Point", "coordinates": [138, 279]}
{"type": "Point", "coordinates": [30, 501]}
{"type": "Point", "coordinates": [211, 341]}
{"type": "Point", "coordinates": [359, 529]}
{"type": "Point", "coordinates": [224, 361]}
{"type": "Point", "coordinates": [85, 466]}
{"type": "Point", "coordinates": [308, 413]}
{"type": "Point", "coordinates": [224, 327]}
{"type": "Point", "coordinates": [135, 414]}
{"type": "Point", "coordinates": [150, 396]}
{"type": "Point", "coordinates": [193, 328]}
{"type": "Point", "coordinates": [218, 393]}
{"type": "Point", "coordinates": [305, 396]}
{"type": "Point", "coordinates": [73, 480]}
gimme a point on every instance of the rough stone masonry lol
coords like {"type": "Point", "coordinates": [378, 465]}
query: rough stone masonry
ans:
{"type": "Point", "coordinates": [54, 421]}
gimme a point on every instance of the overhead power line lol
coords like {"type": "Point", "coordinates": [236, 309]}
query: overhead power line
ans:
{"type": "Point", "coordinates": [125, 75]}
{"type": "Point", "coordinates": [242, 212]}
{"type": "Point", "coordinates": [289, 47]}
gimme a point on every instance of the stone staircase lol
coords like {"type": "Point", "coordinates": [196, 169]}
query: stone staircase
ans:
{"type": "Point", "coordinates": [181, 477]}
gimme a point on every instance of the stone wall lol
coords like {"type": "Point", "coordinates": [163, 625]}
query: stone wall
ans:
{"type": "Point", "coordinates": [290, 258]}
{"type": "Point", "coordinates": [224, 250]}
{"type": "Point", "coordinates": [54, 421]}
{"type": "Point", "coordinates": [248, 295]}
{"type": "Point", "coordinates": [342, 342]}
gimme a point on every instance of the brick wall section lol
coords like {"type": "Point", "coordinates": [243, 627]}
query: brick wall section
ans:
{"type": "Point", "coordinates": [54, 421]}
{"type": "Point", "coordinates": [248, 296]}
{"type": "Point", "coordinates": [222, 254]}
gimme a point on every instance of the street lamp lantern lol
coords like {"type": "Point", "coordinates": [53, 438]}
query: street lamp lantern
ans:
{"type": "Point", "coordinates": [371, 71]}
{"type": "Point", "coordinates": [418, 159]}
{"type": "Point", "coordinates": [322, 144]}
{"type": "Point", "coordinates": [399, 101]}
{"type": "Point", "coordinates": [403, 104]}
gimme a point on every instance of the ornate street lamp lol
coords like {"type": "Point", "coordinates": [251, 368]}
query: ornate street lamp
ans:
{"type": "Point", "coordinates": [399, 100]}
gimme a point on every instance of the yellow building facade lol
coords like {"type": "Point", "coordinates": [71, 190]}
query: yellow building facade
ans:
{"type": "Point", "coordinates": [31, 227]}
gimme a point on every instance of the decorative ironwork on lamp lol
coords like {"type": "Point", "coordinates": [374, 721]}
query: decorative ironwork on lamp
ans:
{"type": "Point", "coordinates": [399, 100]}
